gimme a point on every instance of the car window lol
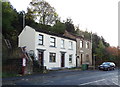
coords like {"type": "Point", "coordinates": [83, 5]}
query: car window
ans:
{"type": "Point", "coordinates": [105, 63]}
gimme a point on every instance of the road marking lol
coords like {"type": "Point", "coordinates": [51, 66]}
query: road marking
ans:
{"type": "Point", "coordinates": [92, 82]}
{"type": "Point", "coordinates": [115, 83]}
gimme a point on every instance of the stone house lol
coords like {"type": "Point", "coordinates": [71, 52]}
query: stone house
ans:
{"type": "Point", "coordinates": [83, 49]}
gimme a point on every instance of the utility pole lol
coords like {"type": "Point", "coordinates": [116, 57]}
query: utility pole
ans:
{"type": "Point", "coordinates": [23, 19]}
{"type": "Point", "coordinates": [91, 52]}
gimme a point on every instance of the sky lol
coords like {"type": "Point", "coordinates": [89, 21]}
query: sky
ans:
{"type": "Point", "coordinates": [98, 16]}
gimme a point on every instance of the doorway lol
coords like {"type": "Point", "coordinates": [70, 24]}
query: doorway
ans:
{"type": "Point", "coordinates": [40, 57]}
{"type": "Point", "coordinates": [81, 58]}
{"type": "Point", "coordinates": [62, 59]}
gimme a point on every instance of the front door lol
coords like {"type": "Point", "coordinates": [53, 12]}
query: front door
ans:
{"type": "Point", "coordinates": [40, 54]}
{"type": "Point", "coordinates": [62, 59]}
{"type": "Point", "coordinates": [81, 59]}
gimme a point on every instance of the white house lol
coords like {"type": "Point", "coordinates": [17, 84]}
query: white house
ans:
{"type": "Point", "coordinates": [52, 50]}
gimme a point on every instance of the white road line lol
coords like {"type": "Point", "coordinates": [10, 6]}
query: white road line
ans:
{"type": "Point", "coordinates": [115, 83]}
{"type": "Point", "coordinates": [92, 82]}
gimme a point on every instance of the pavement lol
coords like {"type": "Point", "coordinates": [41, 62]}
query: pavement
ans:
{"type": "Point", "coordinates": [68, 77]}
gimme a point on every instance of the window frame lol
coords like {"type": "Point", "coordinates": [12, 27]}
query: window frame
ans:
{"type": "Point", "coordinates": [53, 42]}
{"type": "Point", "coordinates": [40, 40]}
{"type": "Point", "coordinates": [81, 43]}
{"type": "Point", "coordinates": [70, 61]}
{"type": "Point", "coordinates": [70, 45]}
{"type": "Point", "coordinates": [50, 59]}
{"type": "Point", "coordinates": [87, 44]}
{"type": "Point", "coordinates": [62, 43]}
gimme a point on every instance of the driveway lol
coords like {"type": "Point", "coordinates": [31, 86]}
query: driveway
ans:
{"type": "Point", "coordinates": [68, 77]}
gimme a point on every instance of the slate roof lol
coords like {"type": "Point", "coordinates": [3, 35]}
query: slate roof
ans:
{"type": "Point", "coordinates": [51, 33]}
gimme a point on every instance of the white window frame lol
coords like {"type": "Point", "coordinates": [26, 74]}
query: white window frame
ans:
{"type": "Point", "coordinates": [87, 45]}
{"type": "Point", "coordinates": [52, 57]}
{"type": "Point", "coordinates": [40, 39]}
{"type": "Point", "coordinates": [81, 43]}
{"type": "Point", "coordinates": [70, 45]}
{"type": "Point", "coordinates": [62, 43]}
{"type": "Point", "coordinates": [52, 43]}
{"type": "Point", "coordinates": [70, 58]}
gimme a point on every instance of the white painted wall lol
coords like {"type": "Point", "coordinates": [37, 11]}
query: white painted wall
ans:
{"type": "Point", "coordinates": [27, 38]}
{"type": "Point", "coordinates": [57, 50]}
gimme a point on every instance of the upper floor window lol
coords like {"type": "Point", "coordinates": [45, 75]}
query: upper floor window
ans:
{"type": "Point", "coordinates": [70, 58]}
{"type": "Point", "coordinates": [62, 43]}
{"type": "Point", "coordinates": [81, 44]}
{"type": "Point", "coordinates": [40, 38]}
{"type": "Point", "coordinates": [52, 41]}
{"type": "Point", "coordinates": [52, 57]}
{"type": "Point", "coordinates": [70, 45]}
{"type": "Point", "coordinates": [87, 45]}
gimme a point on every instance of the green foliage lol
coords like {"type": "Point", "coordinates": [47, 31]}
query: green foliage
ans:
{"type": "Point", "coordinates": [7, 17]}
{"type": "Point", "coordinates": [42, 11]}
{"type": "Point", "coordinates": [9, 74]}
{"type": "Point", "coordinates": [58, 28]}
{"type": "Point", "coordinates": [69, 25]}
{"type": "Point", "coordinates": [100, 50]}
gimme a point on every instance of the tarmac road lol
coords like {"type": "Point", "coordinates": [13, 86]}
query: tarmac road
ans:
{"type": "Point", "coordinates": [69, 77]}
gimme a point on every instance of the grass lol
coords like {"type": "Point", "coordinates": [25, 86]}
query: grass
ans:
{"type": "Point", "coordinates": [7, 74]}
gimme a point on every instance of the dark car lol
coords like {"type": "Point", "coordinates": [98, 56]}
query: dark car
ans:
{"type": "Point", "coordinates": [107, 66]}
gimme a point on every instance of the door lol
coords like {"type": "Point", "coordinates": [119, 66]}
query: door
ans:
{"type": "Point", "coordinates": [81, 59]}
{"type": "Point", "coordinates": [40, 54]}
{"type": "Point", "coordinates": [62, 59]}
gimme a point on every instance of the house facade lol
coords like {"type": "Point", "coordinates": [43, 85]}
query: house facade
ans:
{"type": "Point", "coordinates": [84, 52]}
{"type": "Point", "coordinates": [83, 49]}
{"type": "Point", "coordinates": [51, 50]}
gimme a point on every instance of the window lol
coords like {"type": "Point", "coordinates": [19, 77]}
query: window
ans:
{"type": "Point", "coordinates": [52, 41]}
{"type": "Point", "coordinates": [87, 58]}
{"type": "Point", "coordinates": [62, 43]}
{"type": "Point", "coordinates": [70, 58]}
{"type": "Point", "coordinates": [52, 57]}
{"type": "Point", "coordinates": [87, 45]}
{"type": "Point", "coordinates": [70, 45]}
{"type": "Point", "coordinates": [40, 38]}
{"type": "Point", "coordinates": [81, 44]}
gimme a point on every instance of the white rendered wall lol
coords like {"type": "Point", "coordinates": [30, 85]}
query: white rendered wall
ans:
{"type": "Point", "coordinates": [57, 50]}
{"type": "Point", "coordinates": [27, 38]}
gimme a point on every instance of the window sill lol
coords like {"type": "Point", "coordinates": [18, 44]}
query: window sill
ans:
{"type": "Point", "coordinates": [40, 44]}
{"type": "Point", "coordinates": [62, 48]}
{"type": "Point", "coordinates": [53, 46]}
{"type": "Point", "coordinates": [70, 49]}
{"type": "Point", "coordinates": [52, 62]}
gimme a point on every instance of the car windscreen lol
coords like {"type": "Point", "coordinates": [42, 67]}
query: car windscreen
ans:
{"type": "Point", "coordinates": [105, 63]}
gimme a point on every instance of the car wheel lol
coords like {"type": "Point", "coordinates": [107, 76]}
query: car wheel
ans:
{"type": "Point", "coordinates": [108, 69]}
{"type": "Point", "coordinates": [113, 68]}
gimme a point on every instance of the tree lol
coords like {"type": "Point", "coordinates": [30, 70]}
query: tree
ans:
{"type": "Point", "coordinates": [42, 11]}
{"type": "Point", "coordinates": [69, 25]}
{"type": "Point", "coordinates": [8, 16]}
{"type": "Point", "coordinates": [100, 51]}
{"type": "Point", "coordinates": [59, 27]}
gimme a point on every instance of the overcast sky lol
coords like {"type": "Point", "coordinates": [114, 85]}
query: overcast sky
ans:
{"type": "Point", "coordinates": [98, 16]}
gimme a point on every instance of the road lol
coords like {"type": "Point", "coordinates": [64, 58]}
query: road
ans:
{"type": "Point", "coordinates": [69, 77]}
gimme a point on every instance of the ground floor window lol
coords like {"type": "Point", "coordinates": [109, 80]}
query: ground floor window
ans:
{"type": "Point", "coordinates": [87, 58]}
{"type": "Point", "coordinates": [70, 58]}
{"type": "Point", "coordinates": [52, 57]}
